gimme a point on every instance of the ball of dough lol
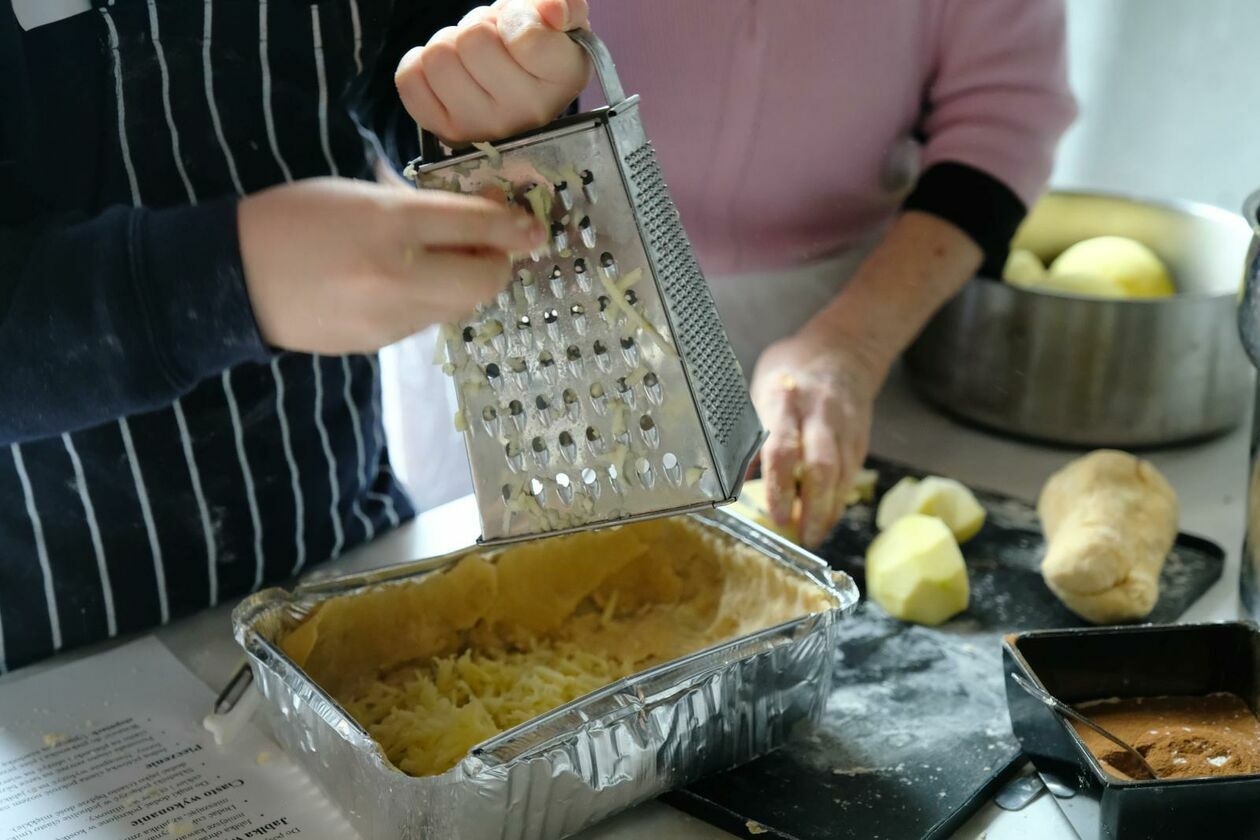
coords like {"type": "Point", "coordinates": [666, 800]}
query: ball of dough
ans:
{"type": "Point", "coordinates": [1110, 520]}
{"type": "Point", "coordinates": [1116, 262]}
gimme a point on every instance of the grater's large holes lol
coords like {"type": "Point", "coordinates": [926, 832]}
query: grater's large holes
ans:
{"type": "Point", "coordinates": [652, 387]}
{"type": "Point", "coordinates": [643, 468]}
{"type": "Point", "coordinates": [604, 303]}
{"type": "Point", "coordinates": [492, 331]}
{"type": "Point", "coordinates": [490, 417]}
{"type": "Point", "coordinates": [515, 457]}
{"type": "Point", "coordinates": [587, 231]}
{"type": "Point", "coordinates": [565, 195]}
{"type": "Point", "coordinates": [609, 263]}
{"type": "Point", "coordinates": [559, 237]}
{"type": "Point", "coordinates": [517, 411]}
{"type": "Point", "coordinates": [544, 408]}
{"type": "Point", "coordinates": [557, 281]}
{"type": "Point", "coordinates": [538, 490]}
{"type": "Point", "coordinates": [631, 297]}
{"type": "Point", "coordinates": [595, 440]}
{"type": "Point", "coordinates": [527, 285]}
{"type": "Point", "coordinates": [523, 323]}
{"type": "Point", "coordinates": [590, 482]}
{"type": "Point", "coordinates": [541, 454]}
{"type": "Point", "coordinates": [630, 350]}
{"type": "Point", "coordinates": [583, 275]}
{"type": "Point", "coordinates": [547, 365]}
{"type": "Point", "coordinates": [625, 392]}
{"type": "Point", "coordinates": [551, 316]}
{"type": "Point", "coordinates": [672, 469]}
{"type": "Point", "coordinates": [506, 490]}
{"type": "Point", "coordinates": [601, 356]}
{"type": "Point", "coordinates": [516, 364]}
{"type": "Point", "coordinates": [564, 488]}
{"type": "Point", "coordinates": [573, 353]}
{"type": "Point", "coordinates": [613, 475]}
{"type": "Point", "coordinates": [494, 376]}
{"type": "Point", "coordinates": [578, 312]}
{"type": "Point", "coordinates": [568, 447]}
{"type": "Point", "coordinates": [571, 405]}
{"type": "Point", "coordinates": [588, 186]}
{"type": "Point", "coordinates": [599, 398]}
{"type": "Point", "coordinates": [651, 434]}
{"type": "Point", "coordinates": [469, 335]}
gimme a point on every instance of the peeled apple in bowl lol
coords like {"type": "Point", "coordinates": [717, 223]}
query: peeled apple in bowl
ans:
{"type": "Point", "coordinates": [915, 571]}
{"type": "Point", "coordinates": [1116, 262]}
{"type": "Point", "coordinates": [1023, 268]}
{"type": "Point", "coordinates": [944, 498]}
{"type": "Point", "coordinates": [1084, 285]}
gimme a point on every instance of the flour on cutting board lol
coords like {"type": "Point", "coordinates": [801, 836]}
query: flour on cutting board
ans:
{"type": "Point", "coordinates": [946, 684]}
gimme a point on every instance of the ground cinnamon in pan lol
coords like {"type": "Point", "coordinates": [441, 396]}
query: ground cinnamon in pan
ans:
{"type": "Point", "coordinates": [1180, 737]}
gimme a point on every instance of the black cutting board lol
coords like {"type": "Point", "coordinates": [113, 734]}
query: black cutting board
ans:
{"type": "Point", "coordinates": [916, 736]}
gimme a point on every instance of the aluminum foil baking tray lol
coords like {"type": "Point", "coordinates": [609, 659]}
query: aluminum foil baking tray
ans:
{"type": "Point", "coordinates": [554, 775]}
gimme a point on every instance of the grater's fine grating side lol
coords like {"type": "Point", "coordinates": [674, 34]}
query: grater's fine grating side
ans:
{"type": "Point", "coordinates": [714, 369]}
{"type": "Point", "coordinates": [599, 386]}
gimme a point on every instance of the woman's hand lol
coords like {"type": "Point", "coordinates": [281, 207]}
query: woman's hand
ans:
{"type": "Point", "coordinates": [815, 395]}
{"type": "Point", "coordinates": [338, 266]}
{"type": "Point", "coordinates": [815, 391]}
{"type": "Point", "coordinates": [504, 69]}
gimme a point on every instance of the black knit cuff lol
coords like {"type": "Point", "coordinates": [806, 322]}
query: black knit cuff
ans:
{"type": "Point", "coordinates": [976, 203]}
{"type": "Point", "coordinates": [190, 278]}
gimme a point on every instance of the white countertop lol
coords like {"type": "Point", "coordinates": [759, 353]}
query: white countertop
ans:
{"type": "Point", "coordinates": [1210, 480]}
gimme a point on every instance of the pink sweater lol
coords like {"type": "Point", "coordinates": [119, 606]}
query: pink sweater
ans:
{"type": "Point", "coordinates": [790, 129]}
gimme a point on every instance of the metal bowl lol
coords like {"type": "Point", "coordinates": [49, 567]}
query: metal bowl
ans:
{"type": "Point", "coordinates": [1093, 372]}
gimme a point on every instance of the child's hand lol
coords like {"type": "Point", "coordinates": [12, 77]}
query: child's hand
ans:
{"type": "Point", "coordinates": [337, 266]}
{"type": "Point", "coordinates": [504, 69]}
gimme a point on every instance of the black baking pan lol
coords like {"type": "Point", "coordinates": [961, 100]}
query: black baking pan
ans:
{"type": "Point", "coordinates": [1138, 661]}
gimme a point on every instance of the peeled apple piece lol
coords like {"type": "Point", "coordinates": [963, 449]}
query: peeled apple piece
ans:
{"type": "Point", "coordinates": [863, 487]}
{"type": "Point", "coordinates": [944, 498]}
{"type": "Point", "coordinates": [1116, 262]}
{"type": "Point", "coordinates": [1023, 268]}
{"type": "Point", "coordinates": [752, 503]}
{"type": "Point", "coordinates": [915, 571]}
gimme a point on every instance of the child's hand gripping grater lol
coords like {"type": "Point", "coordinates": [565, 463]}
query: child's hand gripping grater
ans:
{"type": "Point", "coordinates": [599, 387]}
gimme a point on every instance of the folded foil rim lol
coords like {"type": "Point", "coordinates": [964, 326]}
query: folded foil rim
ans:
{"type": "Point", "coordinates": [558, 773]}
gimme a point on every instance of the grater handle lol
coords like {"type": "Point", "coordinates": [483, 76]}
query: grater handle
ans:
{"type": "Point", "coordinates": [609, 82]}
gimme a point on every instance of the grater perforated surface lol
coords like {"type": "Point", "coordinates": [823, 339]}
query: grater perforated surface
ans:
{"type": "Point", "coordinates": [576, 407]}
{"type": "Point", "coordinates": [715, 371]}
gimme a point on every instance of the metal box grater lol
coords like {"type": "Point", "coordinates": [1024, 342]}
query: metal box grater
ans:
{"type": "Point", "coordinates": [600, 386]}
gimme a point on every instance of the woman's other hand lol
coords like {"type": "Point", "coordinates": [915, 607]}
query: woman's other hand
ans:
{"type": "Point", "coordinates": [815, 396]}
